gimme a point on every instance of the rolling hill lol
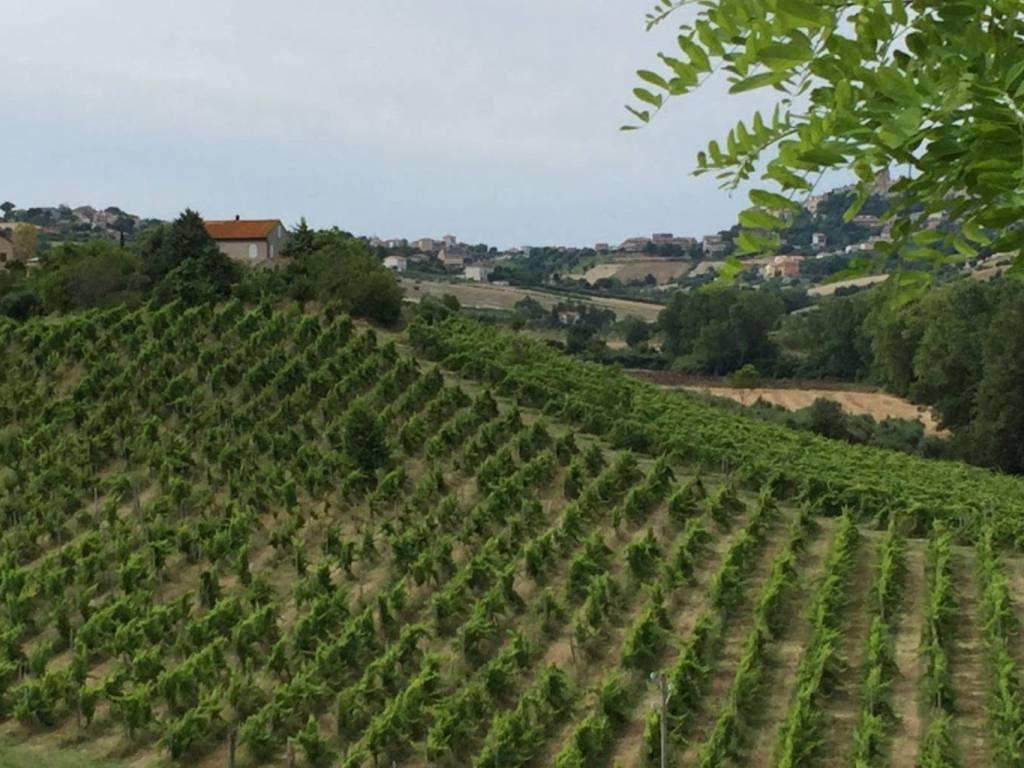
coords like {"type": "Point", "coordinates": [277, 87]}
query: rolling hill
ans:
{"type": "Point", "coordinates": [263, 532]}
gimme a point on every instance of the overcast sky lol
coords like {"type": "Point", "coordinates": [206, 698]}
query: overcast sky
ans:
{"type": "Point", "coordinates": [495, 121]}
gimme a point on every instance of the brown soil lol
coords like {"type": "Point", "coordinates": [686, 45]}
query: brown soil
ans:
{"type": "Point", "coordinates": [909, 728]}
{"type": "Point", "coordinates": [842, 706]}
{"type": "Point", "coordinates": [787, 650]}
{"type": "Point", "coordinates": [664, 270]}
{"type": "Point", "coordinates": [486, 296]}
{"type": "Point", "coordinates": [735, 632]}
{"type": "Point", "coordinates": [968, 665]}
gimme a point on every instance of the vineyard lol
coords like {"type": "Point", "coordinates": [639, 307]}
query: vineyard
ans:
{"type": "Point", "coordinates": [208, 560]}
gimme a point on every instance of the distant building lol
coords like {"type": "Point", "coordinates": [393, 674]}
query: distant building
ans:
{"type": "Point", "coordinates": [634, 244]}
{"type": "Point", "coordinates": [883, 182]}
{"type": "Point", "coordinates": [396, 242]}
{"type": "Point", "coordinates": [453, 257]}
{"type": "Point", "coordinates": [684, 242]}
{"type": "Point", "coordinates": [251, 241]}
{"type": "Point", "coordinates": [6, 252]}
{"type": "Point", "coordinates": [450, 240]}
{"type": "Point", "coordinates": [714, 245]}
{"type": "Point", "coordinates": [783, 266]}
{"type": "Point", "coordinates": [867, 220]}
{"type": "Point", "coordinates": [602, 248]}
{"type": "Point", "coordinates": [819, 241]}
{"type": "Point", "coordinates": [479, 273]}
{"type": "Point", "coordinates": [85, 213]}
{"type": "Point", "coordinates": [425, 244]}
{"type": "Point", "coordinates": [662, 238]}
{"type": "Point", "coordinates": [396, 263]}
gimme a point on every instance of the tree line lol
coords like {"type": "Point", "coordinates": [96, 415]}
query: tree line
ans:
{"type": "Point", "coordinates": [952, 348]}
{"type": "Point", "coordinates": [179, 261]}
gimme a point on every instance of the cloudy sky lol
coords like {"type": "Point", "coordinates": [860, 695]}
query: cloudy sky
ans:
{"type": "Point", "coordinates": [496, 121]}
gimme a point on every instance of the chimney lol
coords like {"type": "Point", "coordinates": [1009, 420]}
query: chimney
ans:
{"type": "Point", "coordinates": [237, 217]}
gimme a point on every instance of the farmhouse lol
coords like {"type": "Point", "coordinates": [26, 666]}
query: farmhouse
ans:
{"type": "Point", "coordinates": [6, 251]}
{"type": "Point", "coordinates": [479, 273]}
{"type": "Point", "coordinates": [252, 241]}
{"type": "Point", "coordinates": [395, 263]}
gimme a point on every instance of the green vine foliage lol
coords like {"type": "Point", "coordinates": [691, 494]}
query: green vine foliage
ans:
{"type": "Point", "coordinates": [933, 85]}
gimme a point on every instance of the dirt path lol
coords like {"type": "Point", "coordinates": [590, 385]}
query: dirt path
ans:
{"type": "Point", "coordinates": [734, 635]}
{"type": "Point", "coordinates": [908, 730]}
{"type": "Point", "coordinates": [787, 649]}
{"type": "Point", "coordinates": [687, 604]}
{"type": "Point", "coordinates": [842, 706]}
{"type": "Point", "coordinates": [968, 664]}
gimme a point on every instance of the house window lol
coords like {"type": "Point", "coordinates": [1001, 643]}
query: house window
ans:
{"type": "Point", "coordinates": [254, 251]}
{"type": "Point", "coordinates": [271, 251]}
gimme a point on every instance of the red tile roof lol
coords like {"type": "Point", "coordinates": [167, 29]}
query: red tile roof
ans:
{"type": "Point", "coordinates": [244, 229]}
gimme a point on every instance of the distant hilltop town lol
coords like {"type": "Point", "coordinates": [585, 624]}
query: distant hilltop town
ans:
{"type": "Point", "coordinates": [817, 243]}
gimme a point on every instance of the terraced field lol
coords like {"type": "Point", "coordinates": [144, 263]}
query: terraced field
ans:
{"type": "Point", "coordinates": [207, 558]}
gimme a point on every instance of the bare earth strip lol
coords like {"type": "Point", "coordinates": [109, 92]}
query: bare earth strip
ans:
{"type": "Point", "coordinates": [735, 630]}
{"type": "Point", "coordinates": [877, 405]}
{"type": "Point", "coordinates": [905, 700]}
{"type": "Point", "coordinates": [628, 747]}
{"type": "Point", "coordinates": [786, 651]}
{"type": "Point", "coordinates": [842, 707]}
{"type": "Point", "coordinates": [486, 296]}
{"type": "Point", "coordinates": [968, 665]}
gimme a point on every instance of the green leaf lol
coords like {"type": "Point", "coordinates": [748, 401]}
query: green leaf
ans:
{"type": "Point", "coordinates": [698, 57]}
{"type": "Point", "coordinates": [772, 201]}
{"type": "Point", "coordinates": [647, 97]}
{"type": "Point", "coordinates": [759, 81]}
{"type": "Point", "coordinates": [780, 57]}
{"type": "Point", "coordinates": [653, 78]}
{"type": "Point", "coordinates": [809, 13]}
{"type": "Point", "coordinates": [755, 218]}
{"type": "Point", "coordinates": [823, 156]}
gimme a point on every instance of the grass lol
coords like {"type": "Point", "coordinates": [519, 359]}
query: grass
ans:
{"type": "Point", "coordinates": [13, 755]}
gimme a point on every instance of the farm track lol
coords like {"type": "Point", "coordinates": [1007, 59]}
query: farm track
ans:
{"type": "Point", "coordinates": [842, 706]}
{"type": "Point", "coordinates": [787, 649]}
{"type": "Point", "coordinates": [730, 651]}
{"type": "Point", "coordinates": [906, 705]}
{"type": "Point", "coordinates": [627, 748]}
{"type": "Point", "coordinates": [968, 664]}
{"type": "Point", "coordinates": [591, 672]}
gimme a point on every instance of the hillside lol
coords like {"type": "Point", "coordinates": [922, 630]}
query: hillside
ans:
{"type": "Point", "coordinates": [197, 552]}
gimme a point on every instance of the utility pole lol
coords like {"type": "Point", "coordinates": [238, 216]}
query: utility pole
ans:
{"type": "Point", "coordinates": [666, 693]}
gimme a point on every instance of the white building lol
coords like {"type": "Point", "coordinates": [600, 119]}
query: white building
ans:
{"type": "Point", "coordinates": [478, 273]}
{"type": "Point", "coordinates": [450, 240]}
{"type": "Point", "coordinates": [819, 241]}
{"type": "Point", "coordinates": [396, 263]}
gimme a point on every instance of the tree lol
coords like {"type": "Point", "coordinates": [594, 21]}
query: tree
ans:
{"type": "Point", "coordinates": [635, 331]}
{"type": "Point", "coordinates": [7, 207]}
{"type": "Point", "coordinates": [365, 438]}
{"type": "Point", "coordinates": [79, 276]}
{"type": "Point", "coordinates": [26, 240]}
{"type": "Point", "coordinates": [301, 241]}
{"type": "Point", "coordinates": [342, 269]}
{"type": "Point", "coordinates": [187, 262]}
{"type": "Point", "coordinates": [936, 86]}
{"type": "Point", "coordinates": [995, 434]}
